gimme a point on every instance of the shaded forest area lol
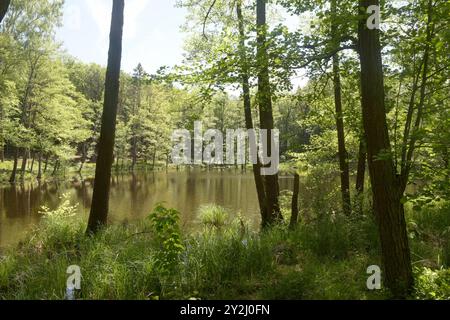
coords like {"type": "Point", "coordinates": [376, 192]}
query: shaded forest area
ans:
{"type": "Point", "coordinates": [372, 121]}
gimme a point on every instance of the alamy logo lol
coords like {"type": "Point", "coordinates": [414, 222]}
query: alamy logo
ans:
{"type": "Point", "coordinates": [374, 280]}
{"type": "Point", "coordinates": [208, 148]}
{"type": "Point", "coordinates": [373, 22]}
{"type": "Point", "coordinates": [73, 281]}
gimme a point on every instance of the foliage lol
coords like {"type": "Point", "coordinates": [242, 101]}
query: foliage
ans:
{"type": "Point", "coordinates": [167, 235]}
{"type": "Point", "coordinates": [432, 284]}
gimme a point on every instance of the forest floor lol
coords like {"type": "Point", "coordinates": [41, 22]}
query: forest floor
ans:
{"type": "Point", "coordinates": [325, 258]}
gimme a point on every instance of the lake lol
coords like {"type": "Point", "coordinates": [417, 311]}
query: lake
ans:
{"type": "Point", "coordinates": [133, 196]}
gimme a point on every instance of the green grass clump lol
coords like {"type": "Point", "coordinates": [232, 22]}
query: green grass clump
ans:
{"type": "Point", "coordinates": [213, 216]}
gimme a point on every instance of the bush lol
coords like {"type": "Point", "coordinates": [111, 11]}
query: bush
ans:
{"type": "Point", "coordinates": [432, 284]}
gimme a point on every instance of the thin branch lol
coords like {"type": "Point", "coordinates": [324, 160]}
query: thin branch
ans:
{"type": "Point", "coordinates": [206, 18]}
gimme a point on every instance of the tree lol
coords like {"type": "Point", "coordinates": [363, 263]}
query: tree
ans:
{"type": "Point", "coordinates": [259, 183]}
{"type": "Point", "coordinates": [342, 151]}
{"type": "Point", "coordinates": [100, 198]}
{"type": "Point", "coordinates": [387, 196]}
{"type": "Point", "coordinates": [264, 98]}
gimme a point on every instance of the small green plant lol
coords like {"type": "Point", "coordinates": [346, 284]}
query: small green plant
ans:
{"type": "Point", "coordinates": [165, 224]}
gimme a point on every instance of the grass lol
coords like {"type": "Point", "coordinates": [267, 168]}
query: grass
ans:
{"type": "Point", "coordinates": [323, 259]}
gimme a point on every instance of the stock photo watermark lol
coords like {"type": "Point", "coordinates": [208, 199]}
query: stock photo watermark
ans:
{"type": "Point", "coordinates": [373, 22]}
{"type": "Point", "coordinates": [73, 282]}
{"type": "Point", "coordinates": [208, 148]}
{"type": "Point", "coordinates": [374, 280]}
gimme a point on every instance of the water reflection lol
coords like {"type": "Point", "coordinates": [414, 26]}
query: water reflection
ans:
{"type": "Point", "coordinates": [133, 196]}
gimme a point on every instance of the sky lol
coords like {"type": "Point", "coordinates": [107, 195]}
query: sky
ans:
{"type": "Point", "coordinates": [152, 34]}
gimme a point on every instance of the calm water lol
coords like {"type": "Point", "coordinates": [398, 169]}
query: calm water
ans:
{"type": "Point", "coordinates": [133, 197]}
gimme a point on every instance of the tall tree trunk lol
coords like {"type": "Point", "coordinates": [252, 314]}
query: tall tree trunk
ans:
{"type": "Point", "coordinates": [271, 186]}
{"type": "Point", "coordinates": [248, 111]}
{"type": "Point", "coordinates": [100, 198]}
{"type": "Point", "coordinates": [294, 204]}
{"type": "Point", "coordinates": [12, 179]}
{"type": "Point", "coordinates": [342, 151]}
{"type": "Point", "coordinates": [386, 194]}
{"type": "Point", "coordinates": [4, 4]}
{"type": "Point", "coordinates": [39, 175]}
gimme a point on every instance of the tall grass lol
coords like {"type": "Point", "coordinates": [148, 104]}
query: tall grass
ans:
{"type": "Point", "coordinates": [325, 258]}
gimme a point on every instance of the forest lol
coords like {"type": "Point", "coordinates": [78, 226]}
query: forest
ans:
{"type": "Point", "coordinates": [355, 102]}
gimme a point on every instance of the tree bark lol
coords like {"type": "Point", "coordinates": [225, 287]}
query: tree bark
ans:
{"type": "Point", "coordinates": [100, 199]}
{"type": "Point", "coordinates": [264, 97]}
{"type": "Point", "coordinates": [386, 194]}
{"type": "Point", "coordinates": [294, 204]}
{"type": "Point", "coordinates": [4, 5]}
{"type": "Point", "coordinates": [248, 112]}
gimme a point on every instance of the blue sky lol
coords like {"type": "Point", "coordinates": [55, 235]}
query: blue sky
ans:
{"type": "Point", "coordinates": [151, 32]}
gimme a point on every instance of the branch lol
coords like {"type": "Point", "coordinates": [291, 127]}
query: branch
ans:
{"type": "Point", "coordinates": [207, 16]}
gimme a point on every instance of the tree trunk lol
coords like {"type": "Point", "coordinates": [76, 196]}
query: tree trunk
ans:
{"type": "Point", "coordinates": [361, 170]}
{"type": "Point", "coordinates": [386, 194]}
{"type": "Point", "coordinates": [294, 204]}
{"type": "Point", "coordinates": [46, 163]}
{"type": "Point", "coordinates": [248, 112]}
{"type": "Point", "coordinates": [264, 96]}
{"type": "Point", "coordinates": [100, 199]}
{"type": "Point", "coordinates": [39, 175]}
{"type": "Point", "coordinates": [4, 4]}
{"type": "Point", "coordinates": [24, 163]}
{"type": "Point", "coordinates": [32, 163]}
{"type": "Point", "coordinates": [56, 167]}
{"type": "Point", "coordinates": [133, 153]}
{"type": "Point", "coordinates": [83, 156]}
{"type": "Point", "coordinates": [12, 179]}
{"type": "Point", "coordinates": [342, 151]}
